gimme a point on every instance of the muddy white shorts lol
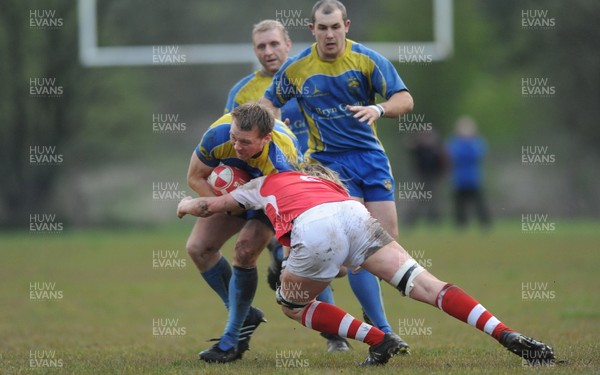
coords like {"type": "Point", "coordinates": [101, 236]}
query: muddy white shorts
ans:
{"type": "Point", "coordinates": [331, 235]}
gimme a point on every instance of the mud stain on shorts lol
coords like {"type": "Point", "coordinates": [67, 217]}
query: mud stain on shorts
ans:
{"type": "Point", "coordinates": [378, 237]}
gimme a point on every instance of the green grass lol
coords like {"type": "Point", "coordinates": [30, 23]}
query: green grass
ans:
{"type": "Point", "coordinates": [111, 293]}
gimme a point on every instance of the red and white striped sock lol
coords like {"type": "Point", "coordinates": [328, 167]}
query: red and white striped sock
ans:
{"type": "Point", "coordinates": [455, 302]}
{"type": "Point", "coordinates": [327, 318]}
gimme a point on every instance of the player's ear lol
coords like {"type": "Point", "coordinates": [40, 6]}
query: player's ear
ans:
{"type": "Point", "coordinates": [311, 27]}
{"type": "Point", "coordinates": [347, 25]}
{"type": "Point", "coordinates": [267, 138]}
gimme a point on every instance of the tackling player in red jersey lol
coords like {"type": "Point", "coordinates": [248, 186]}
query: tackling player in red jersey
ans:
{"type": "Point", "coordinates": [326, 229]}
{"type": "Point", "coordinates": [335, 82]}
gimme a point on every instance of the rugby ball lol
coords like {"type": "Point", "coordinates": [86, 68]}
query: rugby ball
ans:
{"type": "Point", "coordinates": [225, 179]}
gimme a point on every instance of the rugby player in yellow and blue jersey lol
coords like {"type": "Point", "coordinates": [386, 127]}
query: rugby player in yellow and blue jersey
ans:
{"type": "Point", "coordinates": [251, 139]}
{"type": "Point", "coordinates": [271, 45]}
{"type": "Point", "coordinates": [335, 82]}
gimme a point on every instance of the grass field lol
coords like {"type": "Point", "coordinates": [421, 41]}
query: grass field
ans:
{"type": "Point", "coordinates": [102, 302]}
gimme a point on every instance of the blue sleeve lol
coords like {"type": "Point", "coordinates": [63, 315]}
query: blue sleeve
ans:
{"type": "Point", "coordinates": [205, 149]}
{"type": "Point", "coordinates": [281, 161]}
{"type": "Point", "coordinates": [231, 104]}
{"type": "Point", "coordinates": [285, 156]}
{"type": "Point", "coordinates": [281, 89]}
{"type": "Point", "coordinates": [292, 111]}
{"type": "Point", "coordinates": [385, 78]}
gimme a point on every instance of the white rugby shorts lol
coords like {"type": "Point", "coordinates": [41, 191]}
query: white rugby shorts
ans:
{"type": "Point", "coordinates": [333, 234]}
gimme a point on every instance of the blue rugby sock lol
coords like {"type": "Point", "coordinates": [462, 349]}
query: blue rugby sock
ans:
{"type": "Point", "coordinates": [218, 278]}
{"type": "Point", "coordinates": [279, 253]}
{"type": "Point", "coordinates": [326, 296]}
{"type": "Point", "coordinates": [241, 293]}
{"type": "Point", "coordinates": [367, 289]}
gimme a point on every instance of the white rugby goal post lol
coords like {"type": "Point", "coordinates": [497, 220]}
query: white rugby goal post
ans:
{"type": "Point", "coordinates": [93, 55]}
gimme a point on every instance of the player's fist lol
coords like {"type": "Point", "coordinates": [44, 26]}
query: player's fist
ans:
{"type": "Point", "coordinates": [193, 206]}
{"type": "Point", "coordinates": [183, 207]}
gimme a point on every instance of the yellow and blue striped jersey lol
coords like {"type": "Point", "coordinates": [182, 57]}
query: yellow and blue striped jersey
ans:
{"type": "Point", "coordinates": [281, 154]}
{"type": "Point", "coordinates": [324, 89]}
{"type": "Point", "coordinates": [249, 89]}
{"type": "Point", "coordinates": [252, 87]}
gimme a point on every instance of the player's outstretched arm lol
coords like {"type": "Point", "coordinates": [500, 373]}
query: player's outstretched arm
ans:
{"type": "Point", "coordinates": [206, 206]}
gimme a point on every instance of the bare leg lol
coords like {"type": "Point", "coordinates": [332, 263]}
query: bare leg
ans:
{"type": "Point", "coordinates": [367, 287]}
{"type": "Point", "coordinates": [332, 320]}
{"type": "Point", "coordinates": [385, 213]}
{"type": "Point", "coordinates": [208, 236]}
{"type": "Point", "coordinates": [387, 262]}
{"type": "Point", "coordinates": [322, 316]}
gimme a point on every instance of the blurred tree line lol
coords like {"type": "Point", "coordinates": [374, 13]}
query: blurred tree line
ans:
{"type": "Point", "coordinates": [102, 122]}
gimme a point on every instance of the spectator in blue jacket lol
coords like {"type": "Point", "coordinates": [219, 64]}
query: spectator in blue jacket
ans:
{"type": "Point", "coordinates": [467, 150]}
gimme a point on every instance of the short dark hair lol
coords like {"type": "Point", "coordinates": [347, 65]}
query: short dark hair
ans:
{"type": "Point", "coordinates": [254, 115]}
{"type": "Point", "coordinates": [329, 6]}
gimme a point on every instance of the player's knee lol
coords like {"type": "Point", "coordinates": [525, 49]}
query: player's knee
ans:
{"type": "Point", "coordinates": [394, 233]}
{"type": "Point", "coordinates": [203, 255]}
{"type": "Point", "coordinates": [191, 248]}
{"type": "Point", "coordinates": [404, 278]}
{"type": "Point", "coordinates": [392, 229]}
{"type": "Point", "coordinates": [292, 310]}
{"type": "Point", "coordinates": [295, 314]}
{"type": "Point", "coordinates": [197, 248]}
{"type": "Point", "coordinates": [246, 253]}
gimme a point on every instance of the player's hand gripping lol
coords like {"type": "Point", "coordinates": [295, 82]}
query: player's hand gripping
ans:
{"type": "Point", "coordinates": [193, 206]}
{"type": "Point", "coordinates": [368, 114]}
